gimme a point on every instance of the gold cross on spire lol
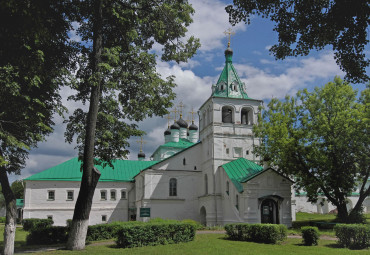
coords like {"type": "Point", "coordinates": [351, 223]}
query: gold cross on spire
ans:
{"type": "Point", "coordinates": [168, 120]}
{"type": "Point", "coordinates": [141, 141]}
{"type": "Point", "coordinates": [192, 114]}
{"type": "Point", "coordinates": [181, 106]}
{"type": "Point", "coordinates": [229, 33]}
{"type": "Point", "coordinates": [175, 111]}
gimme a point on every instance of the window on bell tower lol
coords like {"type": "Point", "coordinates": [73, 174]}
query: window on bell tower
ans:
{"type": "Point", "coordinates": [227, 114]}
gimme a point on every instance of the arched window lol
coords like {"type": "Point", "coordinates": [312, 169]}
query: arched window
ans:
{"type": "Point", "coordinates": [205, 184]}
{"type": "Point", "coordinates": [227, 114]}
{"type": "Point", "coordinates": [246, 116]}
{"type": "Point", "coordinates": [184, 161]}
{"type": "Point", "coordinates": [173, 187]}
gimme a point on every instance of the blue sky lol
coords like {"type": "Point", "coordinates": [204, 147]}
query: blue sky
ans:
{"type": "Point", "coordinates": [264, 77]}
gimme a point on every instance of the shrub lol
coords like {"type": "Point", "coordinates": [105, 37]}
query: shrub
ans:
{"type": "Point", "coordinates": [260, 233]}
{"type": "Point", "coordinates": [106, 231]}
{"type": "Point", "coordinates": [47, 235]}
{"type": "Point", "coordinates": [197, 225]}
{"type": "Point", "coordinates": [32, 224]}
{"type": "Point", "coordinates": [353, 236]}
{"type": "Point", "coordinates": [154, 234]}
{"type": "Point", "coordinates": [2, 219]}
{"type": "Point", "coordinates": [310, 235]}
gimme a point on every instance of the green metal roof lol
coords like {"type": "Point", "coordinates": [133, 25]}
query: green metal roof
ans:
{"type": "Point", "coordinates": [19, 203]}
{"type": "Point", "coordinates": [182, 143]}
{"type": "Point", "coordinates": [229, 84]}
{"type": "Point", "coordinates": [241, 170]}
{"type": "Point", "coordinates": [124, 171]}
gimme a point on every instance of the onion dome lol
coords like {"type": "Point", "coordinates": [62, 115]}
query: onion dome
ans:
{"type": "Point", "coordinates": [167, 132]}
{"type": "Point", "coordinates": [141, 154]}
{"type": "Point", "coordinates": [175, 126]}
{"type": "Point", "coordinates": [228, 52]}
{"type": "Point", "coordinates": [182, 123]}
{"type": "Point", "coordinates": [193, 127]}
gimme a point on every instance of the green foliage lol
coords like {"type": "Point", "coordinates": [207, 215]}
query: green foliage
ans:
{"type": "Point", "coordinates": [356, 217]}
{"type": "Point", "coordinates": [260, 233]}
{"type": "Point", "coordinates": [36, 224]}
{"type": "Point", "coordinates": [353, 236]}
{"type": "Point", "coordinates": [306, 25]}
{"type": "Point", "coordinates": [321, 138]}
{"type": "Point", "coordinates": [310, 235]}
{"type": "Point", "coordinates": [154, 234]}
{"type": "Point", "coordinates": [34, 58]}
{"type": "Point", "coordinates": [130, 87]}
{"type": "Point", "coordinates": [107, 231]}
{"type": "Point", "coordinates": [47, 235]}
{"type": "Point", "coordinates": [2, 219]}
{"type": "Point", "coordinates": [18, 189]}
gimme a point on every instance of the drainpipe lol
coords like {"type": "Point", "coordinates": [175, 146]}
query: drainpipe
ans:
{"type": "Point", "coordinates": [214, 175]}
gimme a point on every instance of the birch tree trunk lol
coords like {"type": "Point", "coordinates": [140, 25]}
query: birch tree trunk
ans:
{"type": "Point", "coordinates": [11, 214]}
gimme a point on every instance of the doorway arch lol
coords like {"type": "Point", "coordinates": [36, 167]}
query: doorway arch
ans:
{"type": "Point", "coordinates": [269, 211]}
{"type": "Point", "coordinates": [203, 216]}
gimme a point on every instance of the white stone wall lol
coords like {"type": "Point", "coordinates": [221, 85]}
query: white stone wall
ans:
{"type": "Point", "coordinates": [60, 209]}
{"type": "Point", "coordinates": [152, 191]}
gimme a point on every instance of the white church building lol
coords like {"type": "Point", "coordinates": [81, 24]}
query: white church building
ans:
{"type": "Point", "coordinates": [208, 174]}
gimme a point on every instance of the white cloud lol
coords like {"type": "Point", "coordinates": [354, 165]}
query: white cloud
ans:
{"type": "Point", "coordinates": [262, 84]}
{"type": "Point", "coordinates": [210, 22]}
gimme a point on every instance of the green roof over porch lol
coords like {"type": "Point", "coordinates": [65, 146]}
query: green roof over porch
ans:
{"type": "Point", "coordinates": [124, 171]}
{"type": "Point", "coordinates": [241, 170]}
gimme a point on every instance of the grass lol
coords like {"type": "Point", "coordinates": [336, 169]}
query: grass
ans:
{"type": "Point", "coordinates": [20, 236]}
{"type": "Point", "coordinates": [217, 244]}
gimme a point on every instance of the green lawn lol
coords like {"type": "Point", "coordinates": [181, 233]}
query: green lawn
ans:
{"type": "Point", "coordinates": [217, 244]}
{"type": "Point", "coordinates": [20, 236]}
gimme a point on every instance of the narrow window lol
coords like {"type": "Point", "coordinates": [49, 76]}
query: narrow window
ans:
{"type": "Point", "coordinates": [227, 187]}
{"type": "Point", "coordinates": [237, 202]}
{"type": "Point", "coordinates": [173, 187]}
{"type": "Point", "coordinates": [227, 114]}
{"type": "Point", "coordinates": [112, 195]}
{"type": "Point", "coordinates": [103, 195]}
{"type": "Point", "coordinates": [51, 195]}
{"type": "Point", "coordinates": [104, 218]}
{"type": "Point", "coordinates": [227, 151]}
{"type": "Point", "coordinates": [205, 184]}
{"type": "Point", "coordinates": [195, 167]}
{"type": "Point", "coordinates": [238, 152]}
{"type": "Point", "coordinates": [247, 152]}
{"type": "Point", "coordinates": [184, 161]}
{"type": "Point", "coordinates": [70, 195]}
{"type": "Point", "coordinates": [123, 194]}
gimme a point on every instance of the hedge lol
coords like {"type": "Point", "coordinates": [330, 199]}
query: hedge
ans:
{"type": "Point", "coordinates": [260, 233]}
{"type": "Point", "coordinates": [353, 236]}
{"type": "Point", "coordinates": [310, 235]}
{"type": "Point", "coordinates": [2, 219]}
{"type": "Point", "coordinates": [107, 231]}
{"type": "Point", "coordinates": [47, 235]}
{"type": "Point", "coordinates": [33, 224]}
{"type": "Point", "coordinates": [151, 234]}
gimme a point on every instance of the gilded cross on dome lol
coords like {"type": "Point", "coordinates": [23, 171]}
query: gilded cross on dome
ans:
{"type": "Point", "coordinates": [192, 114]}
{"type": "Point", "coordinates": [175, 111]}
{"type": "Point", "coordinates": [168, 120]}
{"type": "Point", "coordinates": [141, 141]}
{"type": "Point", "coordinates": [229, 33]}
{"type": "Point", "coordinates": [181, 106]}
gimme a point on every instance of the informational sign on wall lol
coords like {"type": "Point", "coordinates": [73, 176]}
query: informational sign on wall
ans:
{"type": "Point", "coordinates": [144, 212]}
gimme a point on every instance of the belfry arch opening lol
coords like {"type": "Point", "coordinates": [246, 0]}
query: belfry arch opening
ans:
{"type": "Point", "coordinates": [203, 216]}
{"type": "Point", "coordinates": [246, 116]}
{"type": "Point", "coordinates": [227, 114]}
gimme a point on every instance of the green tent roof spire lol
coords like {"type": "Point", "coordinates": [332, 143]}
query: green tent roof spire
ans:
{"type": "Point", "coordinates": [229, 84]}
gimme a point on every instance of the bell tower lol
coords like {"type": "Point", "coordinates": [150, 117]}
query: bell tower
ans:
{"type": "Point", "coordinates": [226, 119]}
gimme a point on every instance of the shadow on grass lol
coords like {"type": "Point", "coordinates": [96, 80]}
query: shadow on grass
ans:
{"type": "Point", "coordinates": [333, 245]}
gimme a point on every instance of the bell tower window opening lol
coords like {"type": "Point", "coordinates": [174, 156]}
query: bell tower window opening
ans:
{"type": "Point", "coordinates": [227, 114]}
{"type": "Point", "coordinates": [246, 116]}
{"type": "Point", "coordinates": [205, 184]}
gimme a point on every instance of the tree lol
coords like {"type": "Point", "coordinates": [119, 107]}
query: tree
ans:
{"type": "Point", "coordinates": [18, 189]}
{"type": "Point", "coordinates": [306, 25]}
{"type": "Point", "coordinates": [118, 77]}
{"type": "Point", "coordinates": [322, 139]}
{"type": "Point", "coordinates": [33, 56]}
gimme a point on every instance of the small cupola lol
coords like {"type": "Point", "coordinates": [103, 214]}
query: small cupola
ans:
{"type": "Point", "coordinates": [193, 133]}
{"type": "Point", "coordinates": [141, 156]}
